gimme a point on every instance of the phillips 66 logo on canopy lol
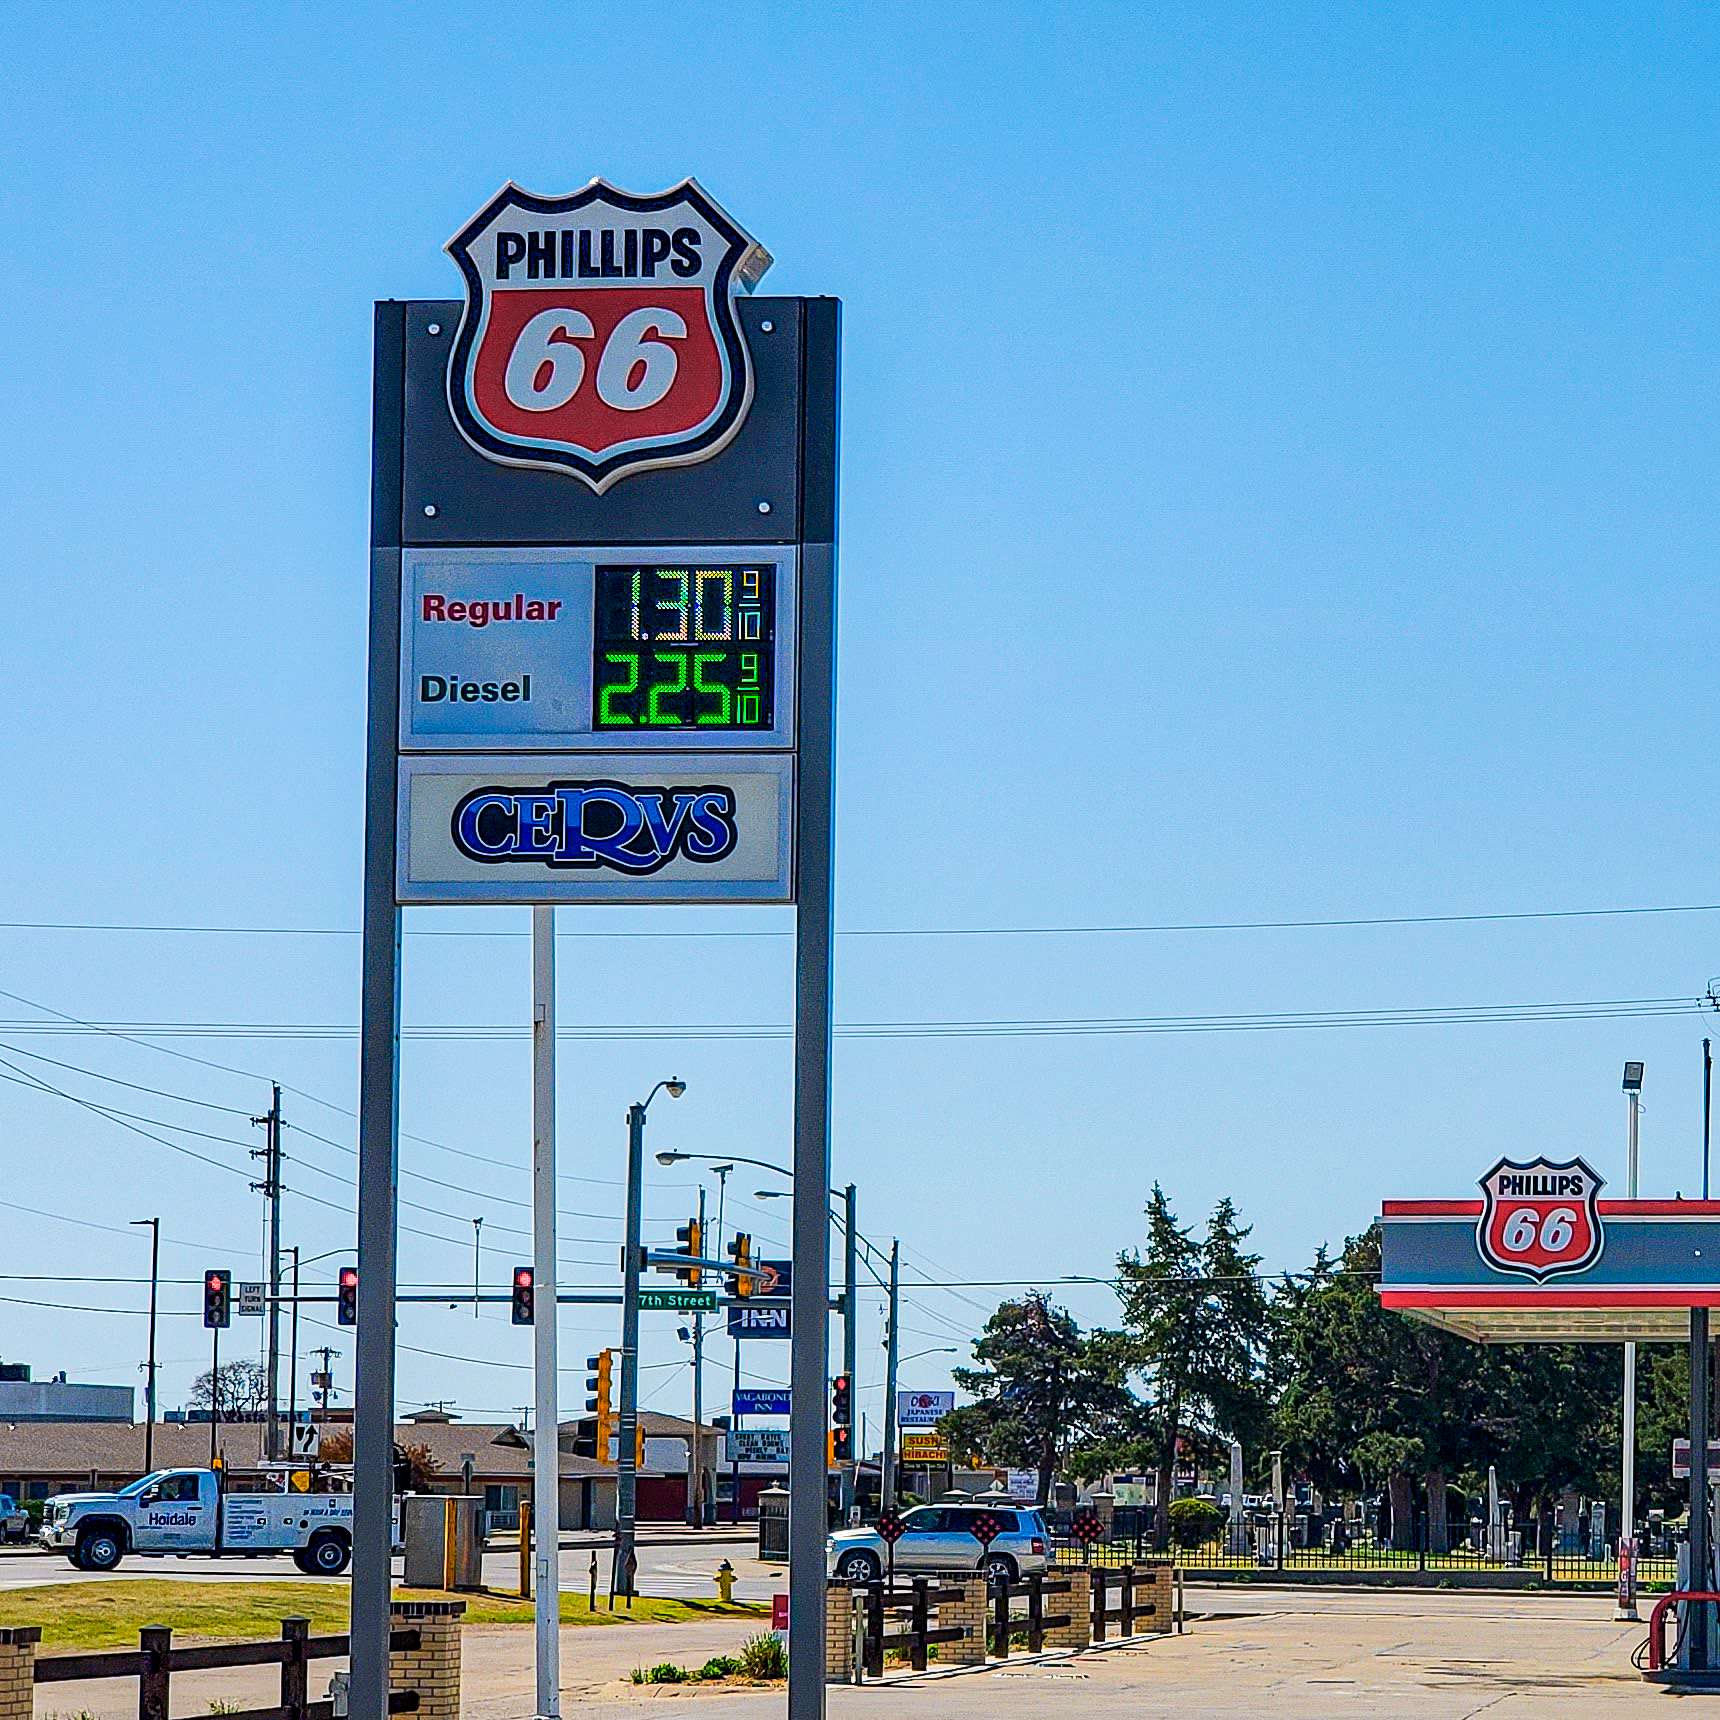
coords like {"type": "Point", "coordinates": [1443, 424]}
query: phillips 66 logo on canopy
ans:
{"type": "Point", "coordinates": [1540, 1219]}
{"type": "Point", "coordinates": [599, 336]}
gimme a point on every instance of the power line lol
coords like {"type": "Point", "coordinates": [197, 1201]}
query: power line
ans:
{"type": "Point", "coordinates": [1125, 929]}
{"type": "Point", "coordinates": [1030, 1027]}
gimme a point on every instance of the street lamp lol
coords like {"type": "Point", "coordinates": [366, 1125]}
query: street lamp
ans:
{"type": "Point", "coordinates": [1632, 1085]}
{"type": "Point", "coordinates": [149, 1366]}
{"type": "Point", "coordinates": [627, 1424]}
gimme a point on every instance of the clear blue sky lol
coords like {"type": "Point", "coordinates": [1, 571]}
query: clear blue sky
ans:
{"type": "Point", "coordinates": [1278, 484]}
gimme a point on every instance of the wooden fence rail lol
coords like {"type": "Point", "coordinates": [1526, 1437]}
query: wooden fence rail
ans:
{"type": "Point", "coordinates": [154, 1661]}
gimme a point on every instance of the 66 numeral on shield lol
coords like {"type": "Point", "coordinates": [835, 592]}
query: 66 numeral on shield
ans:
{"type": "Point", "coordinates": [635, 369]}
{"type": "Point", "coordinates": [1528, 1226]}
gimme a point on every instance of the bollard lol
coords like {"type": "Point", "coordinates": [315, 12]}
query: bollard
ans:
{"type": "Point", "coordinates": [592, 1599]}
{"type": "Point", "coordinates": [525, 1550]}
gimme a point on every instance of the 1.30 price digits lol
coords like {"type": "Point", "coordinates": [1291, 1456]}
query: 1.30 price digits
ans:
{"type": "Point", "coordinates": [684, 647]}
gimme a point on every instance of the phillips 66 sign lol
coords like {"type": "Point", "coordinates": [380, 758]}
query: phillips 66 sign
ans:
{"type": "Point", "coordinates": [605, 524]}
{"type": "Point", "coordinates": [600, 335]}
{"type": "Point", "coordinates": [1539, 1218]}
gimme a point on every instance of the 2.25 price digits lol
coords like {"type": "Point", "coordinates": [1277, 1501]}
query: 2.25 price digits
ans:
{"type": "Point", "coordinates": [684, 648]}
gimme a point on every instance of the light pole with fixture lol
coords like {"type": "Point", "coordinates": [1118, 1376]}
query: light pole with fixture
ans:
{"type": "Point", "coordinates": [149, 1366]}
{"type": "Point", "coordinates": [627, 1422]}
{"type": "Point", "coordinates": [1627, 1525]}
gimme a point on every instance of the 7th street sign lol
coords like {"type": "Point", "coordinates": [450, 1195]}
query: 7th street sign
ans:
{"type": "Point", "coordinates": [678, 1301]}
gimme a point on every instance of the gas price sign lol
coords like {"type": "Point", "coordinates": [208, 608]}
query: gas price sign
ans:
{"type": "Point", "coordinates": [573, 650]}
{"type": "Point", "coordinates": [684, 648]}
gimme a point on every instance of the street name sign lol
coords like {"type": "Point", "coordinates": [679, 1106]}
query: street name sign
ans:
{"type": "Point", "coordinates": [678, 1301]}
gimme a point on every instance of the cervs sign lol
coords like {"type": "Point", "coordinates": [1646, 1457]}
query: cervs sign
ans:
{"type": "Point", "coordinates": [1540, 1219]}
{"type": "Point", "coordinates": [599, 336]}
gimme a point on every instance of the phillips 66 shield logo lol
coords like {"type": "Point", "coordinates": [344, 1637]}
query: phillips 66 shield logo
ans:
{"type": "Point", "coordinates": [1540, 1219]}
{"type": "Point", "coordinates": [600, 336]}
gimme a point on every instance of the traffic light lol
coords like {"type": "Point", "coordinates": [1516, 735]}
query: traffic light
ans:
{"type": "Point", "coordinates": [346, 1299]}
{"type": "Point", "coordinates": [740, 1251]}
{"type": "Point", "coordinates": [525, 1294]}
{"type": "Point", "coordinates": [838, 1447]}
{"type": "Point", "coordinates": [691, 1237]}
{"type": "Point", "coordinates": [638, 1447]}
{"type": "Point", "coordinates": [598, 1385]}
{"type": "Point", "coordinates": [841, 1401]}
{"type": "Point", "coordinates": [218, 1299]}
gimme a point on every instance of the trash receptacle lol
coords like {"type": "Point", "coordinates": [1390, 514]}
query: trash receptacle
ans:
{"type": "Point", "coordinates": [444, 1542]}
{"type": "Point", "coordinates": [773, 1523]}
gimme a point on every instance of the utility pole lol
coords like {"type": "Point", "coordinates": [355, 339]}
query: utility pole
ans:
{"type": "Point", "coordinates": [627, 1422]}
{"type": "Point", "coordinates": [1707, 1108]}
{"type": "Point", "coordinates": [149, 1366]}
{"type": "Point", "coordinates": [477, 1261]}
{"type": "Point", "coordinates": [326, 1351]}
{"type": "Point", "coordinates": [892, 1356]}
{"type": "Point", "coordinates": [293, 1361]}
{"type": "Point", "coordinates": [1627, 1526]}
{"type": "Point", "coordinates": [271, 1191]}
{"type": "Point", "coordinates": [850, 1336]}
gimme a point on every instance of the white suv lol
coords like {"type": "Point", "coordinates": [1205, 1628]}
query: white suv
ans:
{"type": "Point", "coordinates": [939, 1538]}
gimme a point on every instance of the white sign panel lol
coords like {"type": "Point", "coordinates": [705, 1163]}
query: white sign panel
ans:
{"type": "Point", "coordinates": [615, 649]}
{"type": "Point", "coordinates": [1022, 1485]}
{"type": "Point", "coordinates": [597, 828]}
{"type": "Point", "coordinates": [250, 1297]}
{"type": "Point", "coordinates": [306, 1439]}
{"type": "Point", "coordinates": [923, 1409]}
{"type": "Point", "coordinates": [758, 1445]}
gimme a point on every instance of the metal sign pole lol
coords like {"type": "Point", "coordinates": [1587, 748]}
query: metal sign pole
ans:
{"type": "Point", "coordinates": [379, 1051]}
{"type": "Point", "coordinates": [546, 1442]}
{"type": "Point", "coordinates": [808, 1489]}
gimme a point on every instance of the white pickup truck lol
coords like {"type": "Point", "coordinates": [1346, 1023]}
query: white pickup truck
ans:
{"type": "Point", "coordinates": [188, 1511]}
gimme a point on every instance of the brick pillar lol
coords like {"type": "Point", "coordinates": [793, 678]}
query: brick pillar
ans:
{"type": "Point", "coordinates": [838, 1634]}
{"type": "Point", "coordinates": [433, 1667]}
{"type": "Point", "coordinates": [18, 1671]}
{"type": "Point", "coordinates": [1078, 1603]}
{"type": "Point", "coordinates": [969, 1612]}
{"type": "Point", "coordinates": [1153, 1587]}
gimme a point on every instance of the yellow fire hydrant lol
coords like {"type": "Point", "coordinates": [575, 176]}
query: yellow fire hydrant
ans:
{"type": "Point", "coordinates": [725, 1582]}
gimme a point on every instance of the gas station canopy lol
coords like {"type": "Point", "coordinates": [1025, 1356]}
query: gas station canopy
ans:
{"type": "Point", "coordinates": [1649, 1263]}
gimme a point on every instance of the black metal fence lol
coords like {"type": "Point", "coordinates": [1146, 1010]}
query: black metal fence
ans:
{"type": "Point", "coordinates": [1258, 1548]}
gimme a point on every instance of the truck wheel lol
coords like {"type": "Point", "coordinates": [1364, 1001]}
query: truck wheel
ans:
{"type": "Point", "coordinates": [328, 1554]}
{"type": "Point", "coordinates": [99, 1550]}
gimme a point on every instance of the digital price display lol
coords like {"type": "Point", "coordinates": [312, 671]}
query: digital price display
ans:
{"type": "Point", "coordinates": [690, 647]}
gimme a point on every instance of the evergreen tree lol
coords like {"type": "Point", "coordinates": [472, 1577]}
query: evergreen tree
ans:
{"type": "Point", "coordinates": [1047, 1396]}
{"type": "Point", "coordinates": [1197, 1318]}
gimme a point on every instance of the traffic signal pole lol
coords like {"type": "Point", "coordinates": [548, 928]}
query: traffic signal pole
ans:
{"type": "Point", "coordinates": [546, 1437]}
{"type": "Point", "coordinates": [696, 1446]}
{"type": "Point", "coordinates": [850, 1340]}
{"type": "Point", "coordinates": [627, 1423]}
